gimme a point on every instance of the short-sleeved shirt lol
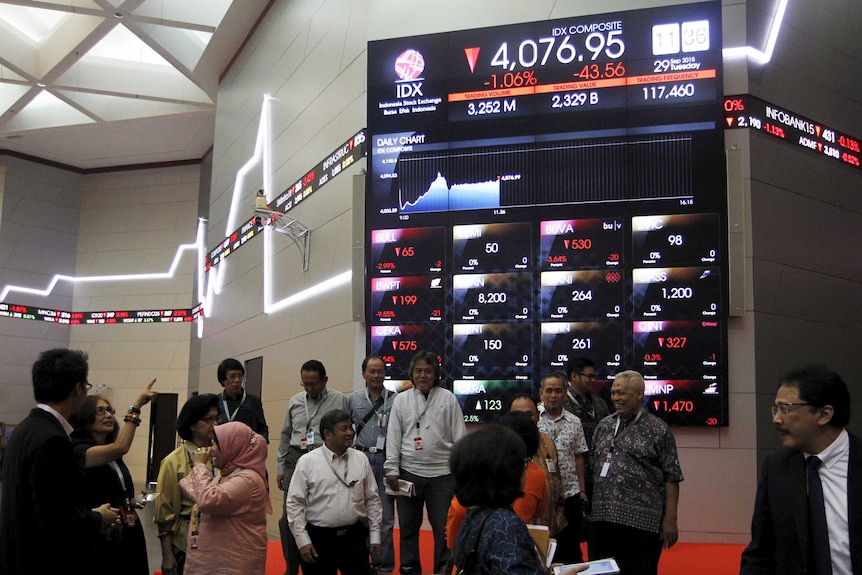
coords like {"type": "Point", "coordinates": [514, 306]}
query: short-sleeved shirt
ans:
{"type": "Point", "coordinates": [568, 435]}
{"type": "Point", "coordinates": [642, 459]}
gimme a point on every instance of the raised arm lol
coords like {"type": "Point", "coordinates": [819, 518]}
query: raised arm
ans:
{"type": "Point", "coordinates": [103, 454]}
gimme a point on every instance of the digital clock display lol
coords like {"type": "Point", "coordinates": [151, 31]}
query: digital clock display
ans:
{"type": "Point", "coordinates": [562, 181]}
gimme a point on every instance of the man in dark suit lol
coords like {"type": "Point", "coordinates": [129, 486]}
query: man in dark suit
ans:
{"type": "Point", "coordinates": [812, 408]}
{"type": "Point", "coordinates": [42, 528]}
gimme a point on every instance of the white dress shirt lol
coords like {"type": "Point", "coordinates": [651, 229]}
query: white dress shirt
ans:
{"type": "Point", "coordinates": [833, 476]}
{"type": "Point", "coordinates": [318, 496]}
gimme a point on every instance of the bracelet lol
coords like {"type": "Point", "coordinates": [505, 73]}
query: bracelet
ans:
{"type": "Point", "coordinates": [134, 409]}
{"type": "Point", "coordinates": [132, 418]}
{"type": "Point", "coordinates": [163, 534]}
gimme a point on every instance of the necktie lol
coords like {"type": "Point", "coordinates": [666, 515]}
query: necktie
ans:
{"type": "Point", "coordinates": [820, 560]}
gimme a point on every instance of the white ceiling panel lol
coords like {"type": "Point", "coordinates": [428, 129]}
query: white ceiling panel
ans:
{"type": "Point", "coordinates": [103, 83]}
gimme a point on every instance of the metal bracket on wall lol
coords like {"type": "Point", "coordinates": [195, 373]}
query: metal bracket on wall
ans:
{"type": "Point", "coordinates": [293, 229]}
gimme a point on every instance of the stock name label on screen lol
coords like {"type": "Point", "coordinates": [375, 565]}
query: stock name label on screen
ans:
{"type": "Point", "coordinates": [550, 190]}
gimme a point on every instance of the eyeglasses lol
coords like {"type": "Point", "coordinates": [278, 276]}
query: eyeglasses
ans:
{"type": "Point", "coordinates": [235, 377]}
{"type": "Point", "coordinates": [587, 375]}
{"type": "Point", "coordinates": [784, 407]}
{"type": "Point", "coordinates": [213, 419]}
{"type": "Point", "coordinates": [87, 385]}
{"type": "Point", "coordinates": [102, 410]}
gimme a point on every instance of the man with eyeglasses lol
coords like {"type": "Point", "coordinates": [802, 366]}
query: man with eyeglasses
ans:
{"type": "Point", "coordinates": [637, 475]}
{"type": "Point", "coordinates": [568, 434]}
{"type": "Point", "coordinates": [299, 435]}
{"type": "Point", "coordinates": [588, 406]}
{"type": "Point", "coordinates": [808, 509]}
{"type": "Point", "coordinates": [235, 404]}
{"type": "Point", "coordinates": [42, 527]}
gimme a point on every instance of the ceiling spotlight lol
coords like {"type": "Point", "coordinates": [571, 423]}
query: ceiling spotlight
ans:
{"type": "Point", "coordinates": [41, 84]}
{"type": "Point", "coordinates": [118, 15]}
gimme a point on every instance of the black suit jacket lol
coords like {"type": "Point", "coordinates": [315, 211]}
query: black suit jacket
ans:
{"type": "Point", "coordinates": [779, 526]}
{"type": "Point", "coordinates": [42, 528]}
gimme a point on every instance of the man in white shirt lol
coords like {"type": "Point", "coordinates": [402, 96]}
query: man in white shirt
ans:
{"type": "Point", "coordinates": [424, 425]}
{"type": "Point", "coordinates": [331, 497]}
{"type": "Point", "coordinates": [820, 467]}
{"type": "Point", "coordinates": [299, 435]}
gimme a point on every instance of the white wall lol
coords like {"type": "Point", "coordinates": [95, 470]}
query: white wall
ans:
{"type": "Point", "coordinates": [38, 239]}
{"type": "Point", "coordinates": [132, 222]}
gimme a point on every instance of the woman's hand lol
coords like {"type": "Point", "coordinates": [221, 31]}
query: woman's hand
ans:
{"type": "Point", "coordinates": [202, 455]}
{"type": "Point", "coordinates": [146, 396]}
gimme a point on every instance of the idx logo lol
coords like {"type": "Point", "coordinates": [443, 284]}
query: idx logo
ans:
{"type": "Point", "coordinates": [409, 67]}
{"type": "Point", "coordinates": [409, 90]}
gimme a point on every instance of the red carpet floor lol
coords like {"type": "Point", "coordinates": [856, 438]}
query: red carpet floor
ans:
{"type": "Point", "coordinates": [681, 559]}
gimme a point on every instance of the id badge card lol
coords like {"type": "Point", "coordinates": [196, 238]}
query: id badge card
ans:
{"type": "Point", "coordinates": [309, 439]}
{"type": "Point", "coordinates": [417, 443]}
{"type": "Point", "coordinates": [302, 444]}
{"type": "Point", "coordinates": [551, 467]}
{"type": "Point", "coordinates": [606, 466]}
{"type": "Point", "coordinates": [193, 539]}
{"type": "Point", "coordinates": [381, 442]}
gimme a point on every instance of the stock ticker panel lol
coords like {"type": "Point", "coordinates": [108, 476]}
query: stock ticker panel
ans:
{"type": "Point", "coordinates": [548, 190]}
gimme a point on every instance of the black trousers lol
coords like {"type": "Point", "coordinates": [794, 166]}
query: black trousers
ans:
{"type": "Point", "coordinates": [339, 549]}
{"type": "Point", "coordinates": [570, 537]}
{"type": "Point", "coordinates": [637, 551]}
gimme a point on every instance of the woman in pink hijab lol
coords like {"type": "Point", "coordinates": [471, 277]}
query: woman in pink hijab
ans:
{"type": "Point", "coordinates": [227, 531]}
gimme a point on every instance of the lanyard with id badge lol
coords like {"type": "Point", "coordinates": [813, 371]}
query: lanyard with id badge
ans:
{"type": "Point", "coordinates": [306, 443]}
{"type": "Point", "coordinates": [606, 466]}
{"type": "Point", "coordinates": [417, 439]}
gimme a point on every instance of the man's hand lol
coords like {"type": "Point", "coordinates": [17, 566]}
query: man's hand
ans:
{"type": "Point", "coordinates": [308, 553]}
{"type": "Point", "coordinates": [392, 482]}
{"type": "Point", "coordinates": [280, 481]}
{"type": "Point", "coordinates": [110, 516]}
{"type": "Point", "coordinates": [669, 532]}
{"type": "Point", "coordinates": [374, 548]}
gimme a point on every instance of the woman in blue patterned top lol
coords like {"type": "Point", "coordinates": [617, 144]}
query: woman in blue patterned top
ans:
{"type": "Point", "coordinates": [488, 465]}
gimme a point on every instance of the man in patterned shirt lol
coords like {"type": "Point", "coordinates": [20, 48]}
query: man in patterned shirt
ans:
{"type": "Point", "coordinates": [637, 474]}
{"type": "Point", "coordinates": [568, 434]}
